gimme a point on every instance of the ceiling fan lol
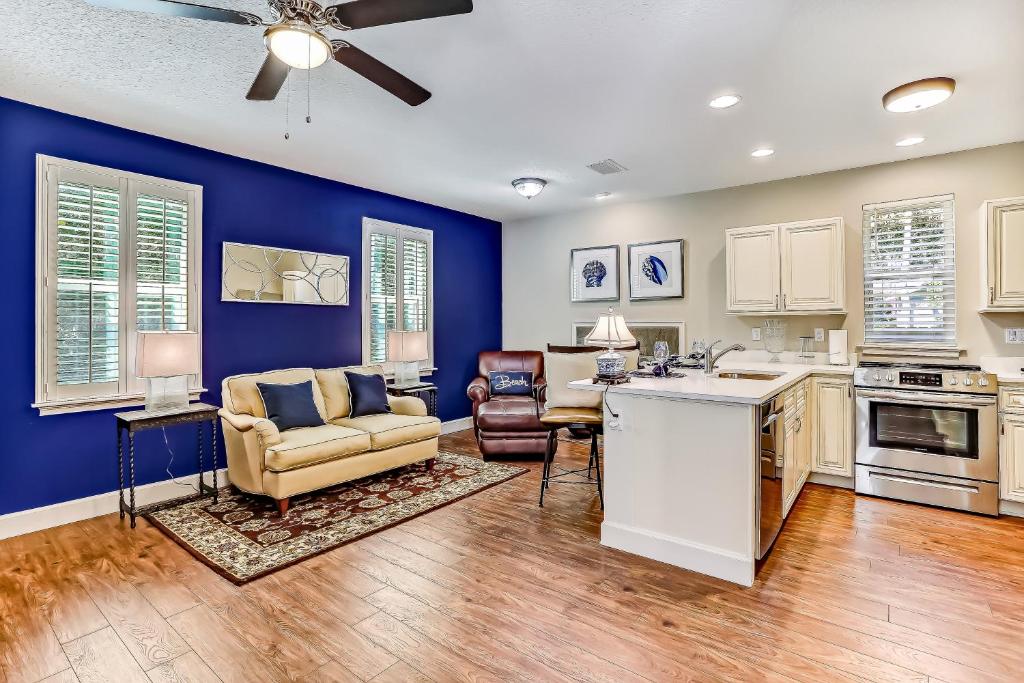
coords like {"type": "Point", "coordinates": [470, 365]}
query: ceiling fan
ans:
{"type": "Point", "coordinates": [295, 39]}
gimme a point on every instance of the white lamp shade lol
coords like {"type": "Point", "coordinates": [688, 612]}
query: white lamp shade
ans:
{"type": "Point", "coordinates": [167, 354]}
{"type": "Point", "coordinates": [610, 331]}
{"type": "Point", "coordinates": [407, 347]}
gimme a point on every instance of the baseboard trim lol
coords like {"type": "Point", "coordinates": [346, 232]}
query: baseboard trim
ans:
{"type": "Point", "coordinates": [836, 480]}
{"type": "Point", "coordinates": [1011, 508]}
{"type": "Point", "coordinates": [722, 564]}
{"type": "Point", "coordinates": [59, 514]}
{"type": "Point", "coordinates": [458, 425]}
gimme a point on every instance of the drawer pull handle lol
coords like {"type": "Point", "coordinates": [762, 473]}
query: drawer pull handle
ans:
{"type": "Point", "coordinates": [924, 482]}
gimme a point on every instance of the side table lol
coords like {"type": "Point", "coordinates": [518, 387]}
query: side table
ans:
{"type": "Point", "coordinates": [139, 420]}
{"type": "Point", "coordinates": [422, 390]}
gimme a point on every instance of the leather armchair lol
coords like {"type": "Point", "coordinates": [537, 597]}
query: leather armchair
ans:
{"type": "Point", "coordinates": [508, 425]}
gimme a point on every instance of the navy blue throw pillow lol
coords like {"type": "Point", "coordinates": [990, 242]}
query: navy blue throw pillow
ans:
{"type": "Point", "coordinates": [515, 383]}
{"type": "Point", "coordinates": [290, 405]}
{"type": "Point", "coordinates": [368, 393]}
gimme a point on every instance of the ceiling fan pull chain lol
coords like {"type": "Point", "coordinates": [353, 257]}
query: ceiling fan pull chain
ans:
{"type": "Point", "coordinates": [287, 109]}
{"type": "Point", "coordinates": [309, 76]}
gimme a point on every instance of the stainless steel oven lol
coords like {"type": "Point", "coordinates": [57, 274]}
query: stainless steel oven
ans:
{"type": "Point", "coordinates": [928, 434]}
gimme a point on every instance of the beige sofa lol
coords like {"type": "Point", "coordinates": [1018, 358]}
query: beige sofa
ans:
{"type": "Point", "coordinates": [265, 461]}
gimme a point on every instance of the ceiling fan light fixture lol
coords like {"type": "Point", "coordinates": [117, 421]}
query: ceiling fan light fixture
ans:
{"type": "Point", "coordinates": [918, 95]}
{"type": "Point", "coordinates": [529, 187]}
{"type": "Point", "coordinates": [298, 44]}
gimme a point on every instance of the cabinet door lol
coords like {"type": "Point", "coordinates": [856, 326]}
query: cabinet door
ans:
{"type": "Point", "coordinates": [752, 268]}
{"type": "Point", "coordinates": [813, 265]}
{"type": "Point", "coordinates": [789, 477]}
{"type": "Point", "coordinates": [1011, 449]}
{"type": "Point", "coordinates": [832, 440]}
{"type": "Point", "coordinates": [1006, 253]}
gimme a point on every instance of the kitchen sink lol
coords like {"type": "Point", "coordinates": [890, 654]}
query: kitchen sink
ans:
{"type": "Point", "coordinates": [748, 374]}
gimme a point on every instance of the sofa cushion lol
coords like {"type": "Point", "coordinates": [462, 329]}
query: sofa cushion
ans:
{"type": "Point", "coordinates": [334, 386]}
{"type": "Point", "coordinates": [388, 430]}
{"type": "Point", "coordinates": [307, 446]}
{"type": "Point", "coordinates": [241, 396]}
{"type": "Point", "coordinates": [509, 414]}
{"type": "Point", "coordinates": [368, 394]}
{"type": "Point", "coordinates": [290, 405]}
{"type": "Point", "coordinates": [562, 368]}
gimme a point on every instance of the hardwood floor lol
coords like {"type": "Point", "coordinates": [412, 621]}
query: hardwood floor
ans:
{"type": "Point", "coordinates": [493, 588]}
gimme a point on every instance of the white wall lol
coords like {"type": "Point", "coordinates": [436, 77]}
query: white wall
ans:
{"type": "Point", "coordinates": [535, 252]}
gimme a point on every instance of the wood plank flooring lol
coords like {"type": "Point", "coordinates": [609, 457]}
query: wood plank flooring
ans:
{"type": "Point", "coordinates": [493, 588]}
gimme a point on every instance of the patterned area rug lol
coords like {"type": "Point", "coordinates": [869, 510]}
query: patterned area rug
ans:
{"type": "Point", "coordinates": [243, 538]}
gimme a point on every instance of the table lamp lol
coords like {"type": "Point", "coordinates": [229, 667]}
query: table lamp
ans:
{"type": "Point", "coordinates": [406, 350]}
{"type": "Point", "coordinates": [166, 359]}
{"type": "Point", "coordinates": [610, 331]}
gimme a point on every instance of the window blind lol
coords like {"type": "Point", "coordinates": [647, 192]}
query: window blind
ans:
{"type": "Point", "coordinates": [415, 283]}
{"type": "Point", "coordinates": [910, 273]}
{"type": "Point", "coordinates": [161, 265]}
{"type": "Point", "coordinates": [87, 340]}
{"type": "Point", "coordinates": [383, 292]}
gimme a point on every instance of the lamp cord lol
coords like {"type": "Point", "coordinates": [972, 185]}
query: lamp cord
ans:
{"type": "Point", "coordinates": [170, 462]}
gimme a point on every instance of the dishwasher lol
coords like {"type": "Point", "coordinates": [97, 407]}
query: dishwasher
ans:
{"type": "Point", "coordinates": [772, 467]}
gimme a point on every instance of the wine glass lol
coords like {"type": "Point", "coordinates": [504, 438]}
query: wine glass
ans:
{"type": "Point", "coordinates": [660, 352]}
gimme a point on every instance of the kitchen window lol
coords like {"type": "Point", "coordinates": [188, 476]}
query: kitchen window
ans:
{"type": "Point", "coordinates": [910, 276]}
{"type": "Point", "coordinates": [117, 253]}
{"type": "Point", "coordinates": [398, 282]}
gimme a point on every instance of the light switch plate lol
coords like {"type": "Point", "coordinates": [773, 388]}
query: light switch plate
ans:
{"type": "Point", "coordinates": [1015, 335]}
{"type": "Point", "coordinates": [819, 334]}
{"type": "Point", "coordinates": [755, 334]}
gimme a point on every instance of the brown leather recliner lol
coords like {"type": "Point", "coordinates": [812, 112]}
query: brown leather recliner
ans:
{"type": "Point", "coordinates": [509, 425]}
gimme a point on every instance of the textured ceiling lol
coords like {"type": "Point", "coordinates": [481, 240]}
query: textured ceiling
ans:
{"type": "Point", "coordinates": [544, 87]}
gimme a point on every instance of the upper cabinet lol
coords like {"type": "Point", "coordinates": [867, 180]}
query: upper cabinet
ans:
{"type": "Point", "coordinates": [1002, 254]}
{"type": "Point", "coordinates": [787, 268]}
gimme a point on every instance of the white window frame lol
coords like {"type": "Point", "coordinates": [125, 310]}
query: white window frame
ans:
{"type": "Point", "coordinates": [374, 225]}
{"type": "Point", "coordinates": [937, 349]}
{"type": "Point", "coordinates": [131, 389]}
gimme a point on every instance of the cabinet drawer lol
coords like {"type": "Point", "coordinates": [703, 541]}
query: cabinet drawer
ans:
{"type": "Point", "coordinates": [1011, 399]}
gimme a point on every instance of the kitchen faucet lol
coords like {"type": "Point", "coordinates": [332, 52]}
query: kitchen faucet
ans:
{"type": "Point", "coordinates": [710, 357]}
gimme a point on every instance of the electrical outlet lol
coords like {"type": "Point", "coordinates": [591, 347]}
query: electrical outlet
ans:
{"type": "Point", "coordinates": [819, 334]}
{"type": "Point", "coordinates": [755, 334]}
{"type": "Point", "coordinates": [1015, 335]}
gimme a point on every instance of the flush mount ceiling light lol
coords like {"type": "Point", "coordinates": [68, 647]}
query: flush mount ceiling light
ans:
{"type": "Point", "coordinates": [724, 102]}
{"type": "Point", "coordinates": [908, 142]}
{"type": "Point", "coordinates": [602, 195]}
{"type": "Point", "coordinates": [918, 95]}
{"type": "Point", "coordinates": [529, 187]}
{"type": "Point", "coordinates": [298, 44]}
{"type": "Point", "coordinates": [762, 152]}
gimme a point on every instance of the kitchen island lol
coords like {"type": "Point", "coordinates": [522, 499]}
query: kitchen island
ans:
{"type": "Point", "coordinates": [682, 464]}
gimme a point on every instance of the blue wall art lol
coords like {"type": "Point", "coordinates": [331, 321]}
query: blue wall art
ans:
{"type": "Point", "coordinates": [656, 270]}
{"type": "Point", "coordinates": [595, 274]}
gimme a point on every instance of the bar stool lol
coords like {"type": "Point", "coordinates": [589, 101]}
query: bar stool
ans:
{"type": "Point", "coordinates": [557, 418]}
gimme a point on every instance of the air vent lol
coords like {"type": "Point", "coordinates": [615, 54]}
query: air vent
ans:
{"type": "Point", "coordinates": [607, 167]}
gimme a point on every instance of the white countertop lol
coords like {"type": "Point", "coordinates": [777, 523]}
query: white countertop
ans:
{"type": "Point", "coordinates": [696, 385]}
{"type": "Point", "coordinates": [1007, 369]}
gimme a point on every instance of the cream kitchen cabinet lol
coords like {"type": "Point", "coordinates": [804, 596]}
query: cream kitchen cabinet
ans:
{"type": "Point", "coordinates": [1002, 254]}
{"type": "Point", "coordinates": [789, 268]}
{"type": "Point", "coordinates": [832, 431]}
{"type": "Point", "coordinates": [1011, 457]}
{"type": "Point", "coordinates": [797, 443]}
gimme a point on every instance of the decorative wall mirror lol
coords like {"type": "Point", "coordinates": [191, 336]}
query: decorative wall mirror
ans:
{"type": "Point", "coordinates": [267, 275]}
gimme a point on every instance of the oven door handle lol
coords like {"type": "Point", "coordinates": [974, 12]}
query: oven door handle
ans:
{"type": "Point", "coordinates": [927, 400]}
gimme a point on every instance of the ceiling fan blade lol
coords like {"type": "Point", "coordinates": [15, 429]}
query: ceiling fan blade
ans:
{"type": "Point", "coordinates": [380, 73]}
{"type": "Point", "coordinates": [175, 8]}
{"type": "Point", "coordinates": [365, 13]}
{"type": "Point", "coordinates": [269, 80]}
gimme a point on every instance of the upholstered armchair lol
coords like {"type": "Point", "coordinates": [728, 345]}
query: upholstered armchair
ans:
{"type": "Point", "coordinates": [508, 425]}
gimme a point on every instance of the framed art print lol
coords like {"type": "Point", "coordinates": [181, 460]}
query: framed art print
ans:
{"type": "Point", "coordinates": [656, 270]}
{"type": "Point", "coordinates": [595, 274]}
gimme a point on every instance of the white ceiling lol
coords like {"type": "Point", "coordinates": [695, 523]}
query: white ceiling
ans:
{"type": "Point", "coordinates": [544, 87]}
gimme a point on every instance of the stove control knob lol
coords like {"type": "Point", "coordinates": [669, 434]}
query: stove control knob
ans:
{"type": "Point", "coordinates": [890, 378]}
{"type": "Point", "coordinates": [968, 381]}
{"type": "Point", "coordinates": [982, 382]}
{"type": "Point", "coordinates": [952, 381]}
{"type": "Point", "coordinates": [878, 377]}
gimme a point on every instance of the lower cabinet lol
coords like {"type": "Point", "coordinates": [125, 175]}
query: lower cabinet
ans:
{"type": "Point", "coordinates": [1011, 455]}
{"type": "Point", "coordinates": [832, 431]}
{"type": "Point", "coordinates": [797, 443]}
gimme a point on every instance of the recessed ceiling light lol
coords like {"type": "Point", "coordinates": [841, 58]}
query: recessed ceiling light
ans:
{"type": "Point", "coordinates": [762, 152]}
{"type": "Point", "coordinates": [529, 187]}
{"type": "Point", "coordinates": [602, 195]}
{"type": "Point", "coordinates": [918, 95]}
{"type": "Point", "coordinates": [907, 142]}
{"type": "Point", "coordinates": [724, 102]}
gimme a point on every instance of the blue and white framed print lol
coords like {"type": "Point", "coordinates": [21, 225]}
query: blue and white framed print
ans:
{"type": "Point", "coordinates": [656, 270]}
{"type": "Point", "coordinates": [595, 274]}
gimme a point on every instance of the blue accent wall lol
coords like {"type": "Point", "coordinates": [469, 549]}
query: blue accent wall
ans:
{"type": "Point", "coordinates": [58, 458]}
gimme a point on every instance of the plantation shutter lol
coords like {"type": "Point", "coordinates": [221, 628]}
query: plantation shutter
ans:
{"type": "Point", "coordinates": [86, 265]}
{"type": "Point", "coordinates": [398, 283]}
{"type": "Point", "coordinates": [161, 264]}
{"type": "Point", "coordinates": [910, 274]}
